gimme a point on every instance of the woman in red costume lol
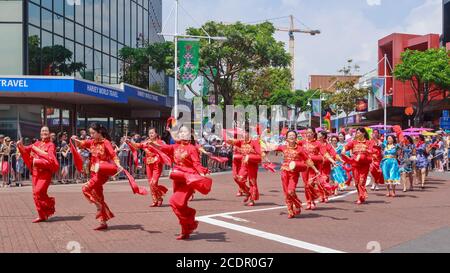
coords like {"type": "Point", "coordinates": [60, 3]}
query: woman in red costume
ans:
{"type": "Point", "coordinates": [325, 189]}
{"type": "Point", "coordinates": [295, 161]}
{"type": "Point", "coordinates": [41, 159]}
{"type": "Point", "coordinates": [251, 158]}
{"type": "Point", "coordinates": [377, 156]}
{"type": "Point", "coordinates": [236, 167]}
{"type": "Point", "coordinates": [310, 178]}
{"type": "Point", "coordinates": [104, 163]}
{"type": "Point", "coordinates": [153, 165]}
{"type": "Point", "coordinates": [188, 175]}
{"type": "Point", "coordinates": [361, 149]}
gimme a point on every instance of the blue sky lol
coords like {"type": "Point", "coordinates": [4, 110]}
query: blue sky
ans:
{"type": "Point", "coordinates": [350, 28]}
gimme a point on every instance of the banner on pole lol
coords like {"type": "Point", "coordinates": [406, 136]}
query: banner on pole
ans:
{"type": "Point", "coordinates": [189, 56]}
{"type": "Point", "coordinates": [378, 91]}
{"type": "Point", "coordinates": [316, 108]}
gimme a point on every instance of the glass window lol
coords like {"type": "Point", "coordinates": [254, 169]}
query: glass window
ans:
{"type": "Point", "coordinates": [89, 36]}
{"type": "Point", "coordinates": [69, 31]}
{"type": "Point", "coordinates": [58, 40]}
{"type": "Point", "coordinates": [120, 21]}
{"type": "Point", "coordinates": [105, 45]}
{"type": "Point", "coordinates": [34, 58]}
{"type": "Point", "coordinates": [98, 16]}
{"type": "Point", "coordinates": [47, 19]}
{"type": "Point", "coordinates": [97, 66]}
{"type": "Point", "coordinates": [47, 39]}
{"type": "Point", "coordinates": [146, 24]}
{"type": "Point", "coordinates": [105, 17]}
{"type": "Point", "coordinates": [113, 34]}
{"type": "Point", "coordinates": [89, 61]}
{"type": "Point", "coordinates": [127, 18]}
{"type": "Point", "coordinates": [79, 33]}
{"type": "Point", "coordinates": [114, 75]}
{"type": "Point", "coordinates": [58, 6]}
{"type": "Point", "coordinates": [34, 14]}
{"type": "Point", "coordinates": [140, 29]}
{"type": "Point", "coordinates": [97, 41]}
{"type": "Point", "coordinates": [79, 13]}
{"type": "Point", "coordinates": [46, 4]}
{"type": "Point", "coordinates": [89, 15]}
{"type": "Point", "coordinates": [58, 24]}
{"type": "Point", "coordinates": [69, 9]}
{"type": "Point", "coordinates": [105, 72]}
{"type": "Point", "coordinates": [79, 53]}
{"type": "Point", "coordinates": [133, 24]}
{"type": "Point", "coordinates": [113, 48]}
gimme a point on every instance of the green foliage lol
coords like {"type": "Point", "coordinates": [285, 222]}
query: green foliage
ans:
{"type": "Point", "coordinates": [428, 72]}
{"type": "Point", "coordinates": [137, 61]}
{"type": "Point", "coordinates": [248, 48]}
{"type": "Point", "coordinates": [57, 58]}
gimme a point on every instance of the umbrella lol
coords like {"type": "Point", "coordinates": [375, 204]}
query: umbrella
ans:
{"type": "Point", "coordinates": [380, 126]}
{"type": "Point", "coordinates": [417, 129]}
{"type": "Point", "coordinates": [428, 134]}
{"type": "Point", "coordinates": [411, 134]}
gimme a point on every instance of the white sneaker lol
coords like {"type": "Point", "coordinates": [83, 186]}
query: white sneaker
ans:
{"type": "Point", "coordinates": [368, 181]}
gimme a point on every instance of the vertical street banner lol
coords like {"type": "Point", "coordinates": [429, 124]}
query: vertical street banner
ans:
{"type": "Point", "coordinates": [189, 56]}
{"type": "Point", "coordinates": [316, 111]}
{"type": "Point", "coordinates": [378, 91]}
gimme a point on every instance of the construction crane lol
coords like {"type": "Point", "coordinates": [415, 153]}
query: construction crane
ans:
{"type": "Point", "coordinates": [291, 30]}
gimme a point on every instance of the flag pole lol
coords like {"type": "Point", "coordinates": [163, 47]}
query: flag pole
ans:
{"type": "Point", "coordinates": [175, 37]}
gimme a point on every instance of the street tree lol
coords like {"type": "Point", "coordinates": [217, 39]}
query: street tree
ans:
{"type": "Point", "coordinates": [428, 73]}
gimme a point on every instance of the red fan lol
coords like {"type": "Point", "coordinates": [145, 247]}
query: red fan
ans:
{"type": "Point", "coordinates": [270, 167]}
{"type": "Point", "coordinates": [219, 159]}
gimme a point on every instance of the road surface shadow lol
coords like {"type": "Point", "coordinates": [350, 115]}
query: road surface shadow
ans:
{"type": "Point", "coordinates": [132, 227]}
{"type": "Point", "coordinates": [217, 237]}
{"type": "Point", "coordinates": [308, 215]}
{"type": "Point", "coordinates": [204, 199]}
{"type": "Point", "coordinates": [65, 218]}
{"type": "Point", "coordinates": [266, 204]}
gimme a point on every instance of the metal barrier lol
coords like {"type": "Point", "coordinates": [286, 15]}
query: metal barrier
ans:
{"type": "Point", "coordinates": [16, 173]}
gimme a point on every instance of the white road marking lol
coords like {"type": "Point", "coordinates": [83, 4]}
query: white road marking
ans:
{"type": "Point", "coordinates": [269, 236]}
{"type": "Point", "coordinates": [266, 235]}
{"type": "Point", "coordinates": [274, 208]}
{"type": "Point", "coordinates": [234, 218]}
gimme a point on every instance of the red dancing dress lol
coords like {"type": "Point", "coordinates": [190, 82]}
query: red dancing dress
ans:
{"type": "Point", "coordinates": [325, 189]}
{"type": "Point", "coordinates": [375, 169]}
{"type": "Point", "coordinates": [251, 158]}
{"type": "Point", "coordinates": [310, 178]}
{"type": "Point", "coordinates": [361, 159]}
{"type": "Point", "coordinates": [294, 162]}
{"type": "Point", "coordinates": [41, 159]}
{"type": "Point", "coordinates": [187, 176]}
{"type": "Point", "coordinates": [236, 167]}
{"type": "Point", "coordinates": [153, 166]}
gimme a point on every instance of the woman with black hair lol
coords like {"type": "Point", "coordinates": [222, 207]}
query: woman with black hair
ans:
{"type": "Point", "coordinates": [295, 161]}
{"type": "Point", "coordinates": [104, 164]}
{"type": "Point", "coordinates": [389, 164]}
{"type": "Point", "coordinates": [329, 161]}
{"type": "Point", "coordinates": [40, 159]}
{"type": "Point", "coordinates": [407, 159]}
{"type": "Point", "coordinates": [361, 149]}
{"type": "Point", "coordinates": [422, 151]}
{"type": "Point", "coordinates": [188, 176]}
{"type": "Point", "coordinates": [311, 178]}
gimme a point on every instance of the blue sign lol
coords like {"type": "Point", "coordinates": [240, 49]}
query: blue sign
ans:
{"type": "Point", "coordinates": [445, 123]}
{"type": "Point", "coordinates": [445, 113]}
{"type": "Point", "coordinates": [36, 85]}
{"type": "Point", "coordinates": [44, 84]}
{"type": "Point", "coordinates": [145, 95]}
{"type": "Point", "coordinates": [100, 91]}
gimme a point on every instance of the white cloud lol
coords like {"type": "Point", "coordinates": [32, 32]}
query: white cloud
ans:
{"type": "Point", "coordinates": [373, 2]}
